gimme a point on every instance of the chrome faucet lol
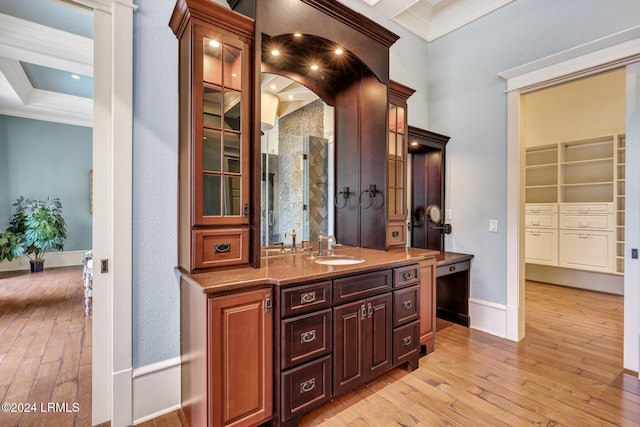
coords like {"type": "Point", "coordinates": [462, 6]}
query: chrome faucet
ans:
{"type": "Point", "coordinates": [293, 239]}
{"type": "Point", "coordinates": [329, 238]}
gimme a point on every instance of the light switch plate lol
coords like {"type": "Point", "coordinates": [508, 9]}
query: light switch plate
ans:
{"type": "Point", "coordinates": [493, 225]}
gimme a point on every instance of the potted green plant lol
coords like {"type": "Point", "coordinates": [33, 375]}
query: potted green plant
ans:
{"type": "Point", "coordinates": [36, 227]}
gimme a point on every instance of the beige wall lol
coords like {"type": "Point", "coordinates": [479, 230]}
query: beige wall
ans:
{"type": "Point", "coordinates": [589, 107]}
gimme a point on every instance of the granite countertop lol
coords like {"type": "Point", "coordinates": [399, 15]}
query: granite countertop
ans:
{"type": "Point", "coordinates": [282, 270]}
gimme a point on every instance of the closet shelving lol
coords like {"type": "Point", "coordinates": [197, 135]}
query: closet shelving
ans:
{"type": "Point", "coordinates": [579, 186]}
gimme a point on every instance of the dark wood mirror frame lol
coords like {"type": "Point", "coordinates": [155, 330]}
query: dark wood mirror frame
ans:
{"type": "Point", "coordinates": [360, 105]}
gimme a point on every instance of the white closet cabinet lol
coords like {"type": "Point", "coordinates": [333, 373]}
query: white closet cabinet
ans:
{"type": "Point", "coordinates": [574, 216]}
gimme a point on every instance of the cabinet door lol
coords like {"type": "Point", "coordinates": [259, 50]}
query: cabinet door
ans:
{"type": "Point", "coordinates": [221, 134]}
{"type": "Point", "coordinates": [241, 359]}
{"type": "Point", "coordinates": [428, 303]}
{"type": "Point", "coordinates": [348, 341]}
{"type": "Point", "coordinates": [378, 338]}
{"type": "Point", "coordinates": [587, 250]}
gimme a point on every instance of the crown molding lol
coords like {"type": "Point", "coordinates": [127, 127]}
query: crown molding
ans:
{"type": "Point", "coordinates": [38, 44]}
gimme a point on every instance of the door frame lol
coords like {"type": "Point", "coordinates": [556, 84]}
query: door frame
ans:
{"type": "Point", "coordinates": [112, 214]}
{"type": "Point", "coordinates": [615, 51]}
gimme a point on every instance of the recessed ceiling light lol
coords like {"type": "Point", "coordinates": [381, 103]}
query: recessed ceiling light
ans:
{"type": "Point", "coordinates": [275, 52]}
{"type": "Point", "coordinates": [234, 75]}
{"type": "Point", "coordinates": [414, 143]}
{"type": "Point", "coordinates": [339, 51]}
{"type": "Point", "coordinates": [75, 76]}
{"type": "Point", "coordinates": [314, 67]}
{"type": "Point", "coordinates": [273, 87]}
{"type": "Point", "coordinates": [214, 43]}
{"type": "Point", "coordinates": [290, 96]}
{"type": "Point", "coordinates": [297, 34]}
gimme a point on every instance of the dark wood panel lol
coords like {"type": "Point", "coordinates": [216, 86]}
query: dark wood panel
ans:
{"type": "Point", "coordinates": [406, 305]}
{"type": "Point", "coordinates": [348, 352]}
{"type": "Point", "coordinates": [373, 162]}
{"type": "Point", "coordinates": [305, 337]}
{"type": "Point", "coordinates": [378, 336]}
{"type": "Point", "coordinates": [360, 286]}
{"type": "Point", "coordinates": [347, 227]}
{"type": "Point", "coordinates": [306, 387]}
{"type": "Point", "coordinates": [306, 298]}
{"type": "Point", "coordinates": [406, 344]}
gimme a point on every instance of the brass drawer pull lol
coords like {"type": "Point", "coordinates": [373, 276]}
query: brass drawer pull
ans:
{"type": "Point", "coordinates": [307, 386]}
{"type": "Point", "coordinates": [407, 275]}
{"type": "Point", "coordinates": [307, 337]}
{"type": "Point", "coordinates": [221, 248]}
{"type": "Point", "coordinates": [363, 311]}
{"type": "Point", "coordinates": [407, 305]}
{"type": "Point", "coordinates": [308, 297]}
{"type": "Point", "coordinates": [406, 341]}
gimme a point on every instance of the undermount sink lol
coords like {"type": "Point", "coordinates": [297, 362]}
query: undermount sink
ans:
{"type": "Point", "coordinates": [339, 260]}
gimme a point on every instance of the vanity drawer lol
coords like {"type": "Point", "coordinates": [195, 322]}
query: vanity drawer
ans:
{"type": "Point", "coordinates": [218, 248]}
{"type": "Point", "coordinates": [305, 387]}
{"type": "Point", "coordinates": [603, 222]}
{"type": "Point", "coordinates": [406, 342]}
{"type": "Point", "coordinates": [305, 337]}
{"type": "Point", "coordinates": [406, 305]}
{"type": "Point", "coordinates": [306, 298]}
{"type": "Point", "coordinates": [361, 286]}
{"type": "Point", "coordinates": [405, 276]}
{"type": "Point", "coordinates": [397, 234]}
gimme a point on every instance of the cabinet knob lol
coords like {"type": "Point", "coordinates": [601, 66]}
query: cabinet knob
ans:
{"type": "Point", "coordinates": [452, 268]}
{"type": "Point", "coordinates": [363, 311]}
{"type": "Point", "coordinates": [308, 297]}
{"type": "Point", "coordinates": [407, 341]}
{"type": "Point", "coordinates": [308, 336]}
{"type": "Point", "coordinates": [407, 304]}
{"type": "Point", "coordinates": [308, 385]}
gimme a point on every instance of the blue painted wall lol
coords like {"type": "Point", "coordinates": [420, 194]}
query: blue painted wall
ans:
{"type": "Point", "coordinates": [5, 200]}
{"type": "Point", "coordinates": [467, 102]}
{"type": "Point", "coordinates": [38, 159]}
{"type": "Point", "coordinates": [156, 297]}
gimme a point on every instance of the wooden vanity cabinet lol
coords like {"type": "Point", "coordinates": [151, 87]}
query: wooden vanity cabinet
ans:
{"type": "Point", "coordinates": [226, 350]}
{"type": "Point", "coordinates": [427, 305]}
{"type": "Point", "coordinates": [215, 137]}
{"type": "Point", "coordinates": [362, 340]}
{"type": "Point", "coordinates": [335, 335]}
{"type": "Point", "coordinates": [397, 153]}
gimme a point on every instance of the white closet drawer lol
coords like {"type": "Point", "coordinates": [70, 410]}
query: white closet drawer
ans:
{"type": "Point", "coordinates": [586, 208]}
{"type": "Point", "coordinates": [604, 222]}
{"type": "Point", "coordinates": [541, 220]}
{"type": "Point", "coordinates": [541, 246]}
{"type": "Point", "coordinates": [536, 208]}
{"type": "Point", "coordinates": [587, 250]}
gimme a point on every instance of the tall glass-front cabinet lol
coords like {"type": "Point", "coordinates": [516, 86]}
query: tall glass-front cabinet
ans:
{"type": "Point", "coordinates": [215, 135]}
{"type": "Point", "coordinates": [397, 154]}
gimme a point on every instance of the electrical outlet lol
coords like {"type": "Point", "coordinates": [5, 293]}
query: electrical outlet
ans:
{"type": "Point", "coordinates": [493, 225]}
{"type": "Point", "coordinates": [447, 214]}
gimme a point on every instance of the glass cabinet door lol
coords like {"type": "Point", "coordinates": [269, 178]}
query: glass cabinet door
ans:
{"type": "Point", "coordinates": [221, 133]}
{"type": "Point", "coordinates": [396, 161]}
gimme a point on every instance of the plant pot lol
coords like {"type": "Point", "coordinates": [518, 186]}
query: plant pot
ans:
{"type": "Point", "coordinates": [37, 265]}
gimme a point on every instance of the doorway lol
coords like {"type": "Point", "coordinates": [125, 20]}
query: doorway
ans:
{"type": "Point", "coordinates": [611, 52]}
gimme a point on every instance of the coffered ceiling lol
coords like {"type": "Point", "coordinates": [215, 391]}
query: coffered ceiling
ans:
{"type": "Point", "coordinates": [46, 61]}
{"type": "Point", "coordinates": [431, 19]}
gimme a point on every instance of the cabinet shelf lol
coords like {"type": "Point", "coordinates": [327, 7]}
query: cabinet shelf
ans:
{"type": "Point", "coordinates": [583, 172]}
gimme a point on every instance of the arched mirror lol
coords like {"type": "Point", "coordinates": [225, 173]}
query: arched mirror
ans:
{"type": "Point", "coordinates": [297, 151]}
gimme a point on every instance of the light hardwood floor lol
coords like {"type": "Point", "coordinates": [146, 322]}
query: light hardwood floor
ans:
{"type": "Point", "coordinates": [567, 371]}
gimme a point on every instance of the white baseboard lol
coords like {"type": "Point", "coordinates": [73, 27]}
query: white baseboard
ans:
{"type": "Point", "coordinates": [52, 259]}
{"type": "Point", "coordinates": [582, 279]}
{"type": "Point", "coordinates": [488, 317]}
{"type": "Point", "coordinates": [156, 390]}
